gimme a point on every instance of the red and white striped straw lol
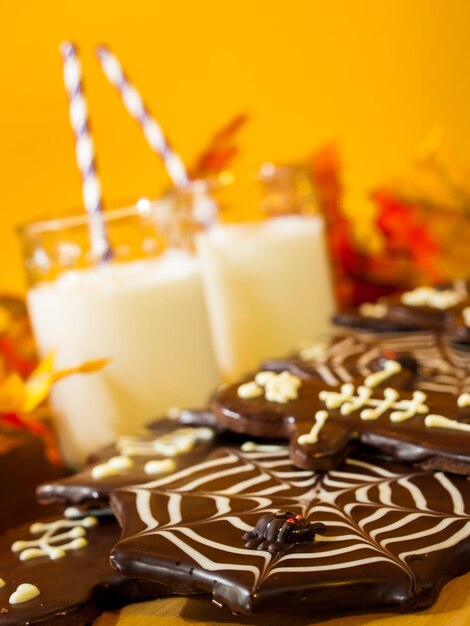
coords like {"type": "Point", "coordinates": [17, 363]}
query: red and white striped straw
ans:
{"type": "Point", "coordinates": [136, 107]}
{"type": "Point", "coordinates": [91, 188]}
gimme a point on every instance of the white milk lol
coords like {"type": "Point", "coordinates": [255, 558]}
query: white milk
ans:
{"type": "Point", "coordinates": [147, 317]}
{"type": "Point", "coordinates": [268, 289]}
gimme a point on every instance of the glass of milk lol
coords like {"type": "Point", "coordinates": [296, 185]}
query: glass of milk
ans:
{"type": "Point", "coordinates": [144, 311]}
{"type": "Point", "coordinates": [265, 269]}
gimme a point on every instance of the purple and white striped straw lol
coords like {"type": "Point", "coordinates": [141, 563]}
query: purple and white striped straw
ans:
{"type": "Point", "coordinates": [136, 107]}
{"type": "Point", "coordinates": [91, 188]}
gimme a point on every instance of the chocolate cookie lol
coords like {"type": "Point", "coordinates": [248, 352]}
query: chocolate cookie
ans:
{"type": "Point", "coordinates": [370, 316]}
{"type": "Point", "coordinates": [423, 308]}
{"type": "Point", "coordinates": [324, 423]}
{"type": "Point", "coordinates": [63, 568]}
{"type": "Point", "coordinates": [368, 535]}
{"type": "Point", "coordinates": [130, 461]}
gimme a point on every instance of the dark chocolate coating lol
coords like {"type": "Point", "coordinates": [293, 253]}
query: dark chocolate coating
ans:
{"type": "Point", "coordinates": [393, 535]}
{"type": "Point", "coordinates": [74, 589]}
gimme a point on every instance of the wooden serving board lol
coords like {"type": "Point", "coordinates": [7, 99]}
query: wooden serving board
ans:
{"type": "Point", "coordinates": [451, 609]}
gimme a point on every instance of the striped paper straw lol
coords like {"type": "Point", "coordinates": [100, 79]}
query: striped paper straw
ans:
{"type": "Point", "coordinates": [136, 107]}
{"type": "Point", "coordinates": [91, 188]}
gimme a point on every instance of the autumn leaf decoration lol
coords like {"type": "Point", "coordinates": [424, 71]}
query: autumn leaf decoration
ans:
{"type": "Point", "coordinates": [20, 398]}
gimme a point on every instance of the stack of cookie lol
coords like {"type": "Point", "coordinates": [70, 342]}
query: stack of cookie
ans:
{"type": "Point", "coordinates": [336, 477]}
{"type": "Point", "coordinates": [56, 570]}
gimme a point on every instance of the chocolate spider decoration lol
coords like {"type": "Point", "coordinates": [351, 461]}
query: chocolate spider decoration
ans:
{"type": "Point", "coordinates": [273, 532]}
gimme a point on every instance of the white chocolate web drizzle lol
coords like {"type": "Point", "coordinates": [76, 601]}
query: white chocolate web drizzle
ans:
{"type": "Point", "coordinates": [52, 543]}
{"type": "Point", "coordinates": [443, 367]}
{"type": "Point", "coordinates": [334, 361]}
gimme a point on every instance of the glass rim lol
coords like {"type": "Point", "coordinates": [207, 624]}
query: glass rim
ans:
{"type": "Point", "coordinates": [76, 217]}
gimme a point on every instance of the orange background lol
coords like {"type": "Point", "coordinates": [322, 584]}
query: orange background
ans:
{"type": "Point", "coordinates": [375, 75]}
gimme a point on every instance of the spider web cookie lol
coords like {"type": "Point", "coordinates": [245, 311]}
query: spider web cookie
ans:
{"type": "Point", "coordinates": [397, 533]}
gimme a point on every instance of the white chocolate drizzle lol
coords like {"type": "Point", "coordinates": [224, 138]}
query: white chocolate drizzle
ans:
{"type": "Point", "coordinates": [312, 436]}
{"type": "Point", "coordinates": [114, 466]}
{"type": "Point", "coordinates": [250, 390]}
{"type": "Point", "coordinates": [439, 421]}
{"type": "Point", "coordinates": [434, 298]}
{"type": "Point", "coordinates": [315, 351]}
{"type": "Point", "coordinates": [415, 406]}
{"type": "Point", "coordinates": [463, 400]}
{"type": "Point", "coordinates": [74, 512]}
{"type": "Point", "coordinates": [24, 593]}
{"type": "Point", "coordinates": [372, 309]}
{"type": "Point", "coordinates": [171, 444]}
{"type": "Point", "coordinates": [173, 412]}
{"type": "Point", "coordinates": [466, 316]}
{"type": "Point", "coordinates": [276, 387]}
{"type": "Point", "coordinates": [159, 466]}
{"type": "Point", "coordinates": [251, 446]}
{"type": "Point", "coordinates": [347, 401]}
{"type": "Point", "coordinates": [72, 539]}
{"type": "Point", "coordinates": [390, 368]}
{"type": "Point", "coordinates": [390, 397]}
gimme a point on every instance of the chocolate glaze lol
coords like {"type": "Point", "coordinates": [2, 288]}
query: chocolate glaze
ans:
{"type": "Point", "coordinates": [393, 535]}
{"type": "Point", "coordinates": [74, 589]}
